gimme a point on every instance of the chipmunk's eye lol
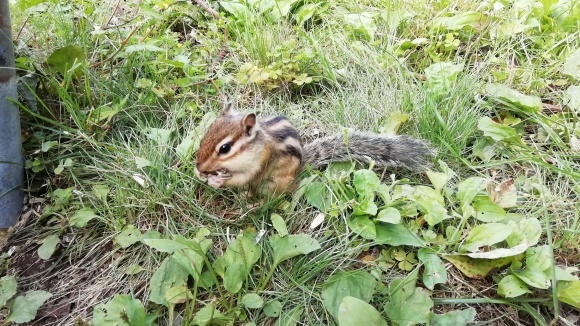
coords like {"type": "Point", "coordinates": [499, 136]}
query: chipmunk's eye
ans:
{"type": "Point", "coordinates": [225, 148]}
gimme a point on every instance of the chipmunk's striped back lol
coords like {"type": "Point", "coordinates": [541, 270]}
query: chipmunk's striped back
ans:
{"type": "Point", "coordinates": [285, 137]}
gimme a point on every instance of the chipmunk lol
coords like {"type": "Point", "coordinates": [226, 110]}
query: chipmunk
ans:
{"type": "Point", "coordinates": [265, 155]}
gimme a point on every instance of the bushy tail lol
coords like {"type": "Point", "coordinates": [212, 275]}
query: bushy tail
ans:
{"type": "Point", "coordinates": [386, 151]}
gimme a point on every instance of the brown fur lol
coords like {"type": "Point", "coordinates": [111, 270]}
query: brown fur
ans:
{"type": "Point", "coordinates": [267, 154]}
{"type": "Point", "coordinates": [220, 129]}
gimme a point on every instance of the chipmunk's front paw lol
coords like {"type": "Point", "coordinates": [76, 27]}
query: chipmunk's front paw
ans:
{"type": "Point", "coordinates": [214, 180]}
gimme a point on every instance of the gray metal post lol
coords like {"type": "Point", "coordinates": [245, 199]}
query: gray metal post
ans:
{"type": "Point", "coordinates": [11, 167]}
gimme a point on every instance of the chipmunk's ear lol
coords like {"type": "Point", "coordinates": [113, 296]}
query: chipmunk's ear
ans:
{"type": "Point", "coordinates": [228, 109]}
{"type": "Point", "coordinates": [249, 121]}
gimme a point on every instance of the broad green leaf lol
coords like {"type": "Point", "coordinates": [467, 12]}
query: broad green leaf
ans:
{"type": "Point", "coordinates": [457, 22]}
{"type": "Point", "coordinates": [395, 16]}
{"type": "Point", "coordinates": [191, 142]}
{"type": "Point", "coordinates": [469, 188]}
{"type": "Point", "coordinates": [206, 280]}
{"type": "Point", "coordinates": [441, 76]}
{"type": "Point", "coordinates": [121, 310]}
{"type": "Point", "coordinates": [497, 131]}
{"type": "Point", "coordinates": [511, 287]}
{"type": "Point", "coordinates": [486, 235]}
{"type": "Point", "coordinates": [528, 103]}
{"type": "Point", "coordinates": [305, 12]}
{"type": "Point", "coordinates": [192, 258]}
{"type": "Point", "coordinates": [23, 308]}
{"type": "Point", "coordinates": [128, 236]}
{"type": "Point", "coordinates": [103, 113]}
{"type": "Point", "coordinates": [318, 195]}
{"type": "Point", "coordinates": [488, 211]}
{"type": "Point", "coordinates": [395, 120]}
{"type": "Point", "coordinates": [363, 23]}
{"type": "Point", "coordinates": [82, 217]}
{"type": "Point", "coordinates": [431, 203]}
{"type": "Point", "coordinates": [273, 308]}
{"type": "Point", "coordinates": [358, 284]}
{"type": "Point", "coordinates": [512, 26]}
{"type": "Point", "coordinates": [291, 245]}
{"type": "Point", "coordinates": [435, 272]}
{"type": "Point", "coordinates": [290, 318]}
{"type": "Point", "coordinates": [142, 162]}
{"type": "Point", "coordinates": [366, 182]}
{"type": "Point", "coordinates": [58, 170]}
{"type": "Point", "coordinates": [239, 258]}
{"type": "Point", "coordinates": [48, 246]}
{"type": "Point", "coordinates": [169, 273]}
{"type": "Point", "coordinates": [134, 269]}
{"type": "Point", "coordinates": [210, 315]}
{"type": "Point", "coordinates": [160, 136]}
{"type": "Point", "coordinates": [25, 4]}
{"type": "Point", "coordinates": [7, 289]}
{"type": "Point", "coordinates": [389, 215]}
{"type": "Point", "coordinates": [152, 234]}
{"type": "Point", "coordinates": [63, 59]}
{"type": "Point", "coordinates": [164, 245]}
{"type": "Point", "coordinates": [184, 148]}
{"type": "Point", "coordinates": [366, 207]}
{"type": "Point", "coordinates": [61, 197]}
{"type": "Point", "coordinates": [534, 278]}
{"type": "Point", "coordinates": [561, 274]}
{"type": "Point", "coordinates": [397, 235]}
{"type": "Point", "coordinates": [447, 170]}
{"type": "Point", "coordinates": [405, 265]}
{"type": "Point", "coordinates": [178, 294]}
{"type": "Point", "coordinates": [252, 301]}
{"type": "Point", "coordinates": [278, 8]}
{"type": "Point", "coordinates": [356, 312]}
{"type": "Point", "coordinates": [363, 226]}
{"type": "Point", "coordinates": [453, 318]}
{"type": "Point", "coordinates": [539, 258]}
{"type": "Point", "coordinates": [402, 191]}
{"type": "Point", "coordinates": [101, 192]}
{"type": "Point", "coordinates": [46, 146]}
{"type": "Point", "coordinates": [279, 224]}
{"type": "Point", "coordinates": [527, 229]}
{"type": "Point", "coordinates": [238, 10]}
{"type": "Point", "coordinates": [477, 267]}
{"type": "Point", "coordinates": [438, 179]}
{"type": "Point", "coordinates": [135, 313]}
{"type": "Point", "coordinates": [571, 65]}
{"type": "Point", "coordinates": [569, 292]}
{"type": "Point", "coordinates": [408, 304]}
{"type": "Point", "coordinates": [573, 98]}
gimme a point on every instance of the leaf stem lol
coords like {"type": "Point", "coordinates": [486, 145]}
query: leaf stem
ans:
{"type": "Point", "coordinates": [490, 300]}
{"type": "Point", "coordinates": [217, 283]}
{"type": "Point", "coordinates": [268, 277]}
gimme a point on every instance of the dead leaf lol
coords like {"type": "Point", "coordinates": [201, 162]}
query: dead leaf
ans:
{"type": "Point", "coordinates": [551, 108]}
{"type": "Point", "coordinates": [504, 194]}
{"type": "Point", "coordinates": [368, 259]}
{"type": "Point", "coordinates": [317, 221]}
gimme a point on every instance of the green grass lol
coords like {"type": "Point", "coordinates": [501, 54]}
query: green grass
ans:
{"type": "Point", "coordinates": [155, 68]}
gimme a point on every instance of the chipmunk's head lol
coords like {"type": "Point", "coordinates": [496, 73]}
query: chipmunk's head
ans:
{"type": "Point", "coordinates": [229, 149]}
